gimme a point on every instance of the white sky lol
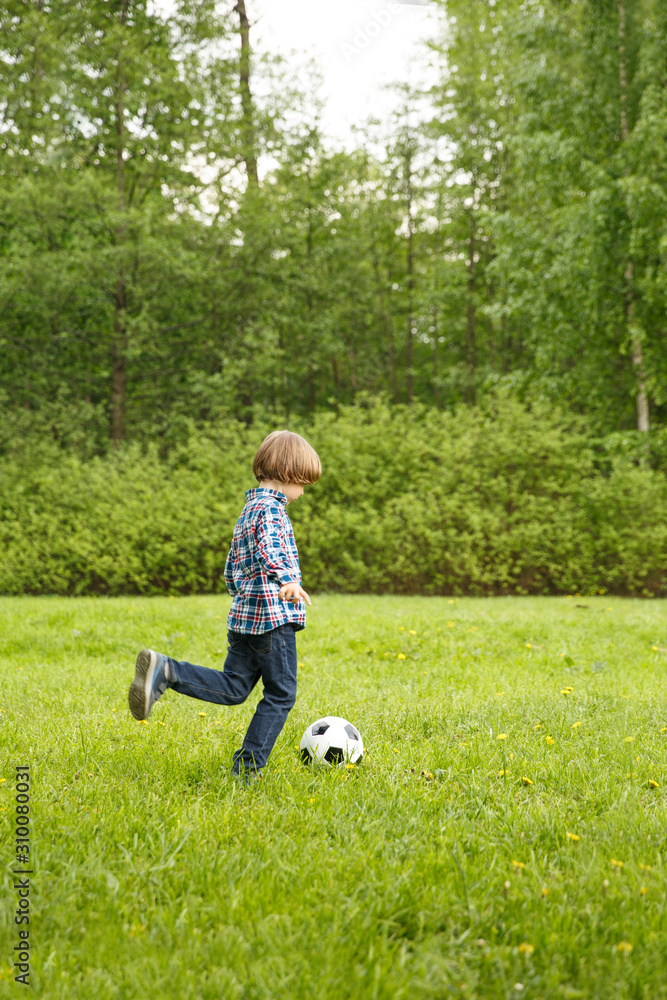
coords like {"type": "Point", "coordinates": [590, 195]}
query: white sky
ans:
{"type": "Point", "coordinates": [359, 44]}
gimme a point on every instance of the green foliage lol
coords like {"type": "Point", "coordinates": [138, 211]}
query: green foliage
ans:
{"type": "Point", "coordinates": [499, 499]}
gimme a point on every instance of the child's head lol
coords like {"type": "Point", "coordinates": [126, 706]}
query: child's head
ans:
{"type": "Point", "coordinates": [286, 459]}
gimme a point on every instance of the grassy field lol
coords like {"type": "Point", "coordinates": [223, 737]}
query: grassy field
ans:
{"type": "Point", "coordinates": [505, 835]}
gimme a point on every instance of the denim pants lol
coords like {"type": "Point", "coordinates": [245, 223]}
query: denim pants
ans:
{"type": "Point", "coordinates": [269, 655]}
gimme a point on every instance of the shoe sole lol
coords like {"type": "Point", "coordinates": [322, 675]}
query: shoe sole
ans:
{"type": "Point", "coordinates": [140, 687]}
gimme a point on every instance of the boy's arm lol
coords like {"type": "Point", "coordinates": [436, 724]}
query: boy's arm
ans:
{"type": "Point", "coordinates": [272, 548]}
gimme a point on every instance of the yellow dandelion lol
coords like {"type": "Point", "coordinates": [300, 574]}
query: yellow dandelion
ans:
{"type": "Point", "coordinates": [545, 890]}
{"type": "Point", "coordinates": [203, 714]}
{"type": "Point", "coordinates": [575, 724]}
{"type": "Point", "coordinates": [549, 741]}
{"type": "Point", "coordinates": [664, 729]}
{"type": "Point", "coordinates": [503, 773]}
{"type": "Point", "coordinates": [519, 864]}
{"type": "Point", "coordinates": [450, 624]}
{"type": "Point", "coordinates": [538, 726]}
{"type": "Point", "coordinates": [425, 774]}
{"type": "Point", "coordinates": [311, 800]}
{"type": "Point", "coordinates": [499, 694]}
{"type": "Point", "coordinates": [412, 632]}
{"type": "Point", "coordinates": [616, 864]}
{"type": "Point", "coordinates": [350, 767]}
{"type": "Point", "coordinates": [654, 648]}
{"type": "Point", "coordinates": [401, 628]}
{"type": "Point", "coordinates": [624, 947]}
{"type": "Point", "coordinates": [529, 645]}
{"type": "Point", "coordinates": [644, 868]}
{"type": "Point", "coordinates": [652, 783]}
{"type": "Point", "coordinates": [114, 709]}
{"type": "Point", "coordinates": [396, 751]}
{"type": "Point", "coordinates": [526, 780]}
{"type": "Point", "coordinates": [572, 836]}
{"type": "Point", "coordinates": [526, 949]}
{"type": "Point", "coordinates": [502, 736]}
{"type": "Point", "coordinates": [401, 656]}
{"type": "Point", "coordinates": [143, 722]}
{"type": "Point", "coordinates": [643, 891]}
{"type": "Point", "coordinates": [600, 591]}
{"type": "Point", "coordinates": [299, 664]}
{"type": "Point", "coordinates": [628, 739]}
{"type": "Point", "coordinates": [2, 781]}
{"type": "Point", "coordinates": [566, 690]}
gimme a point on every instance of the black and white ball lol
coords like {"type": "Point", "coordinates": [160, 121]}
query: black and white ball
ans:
{"type": "Point", "coordinates": [332, 741]}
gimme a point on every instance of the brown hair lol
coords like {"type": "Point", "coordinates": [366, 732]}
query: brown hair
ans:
{"type": "Point", "coordinates": [288, 458]}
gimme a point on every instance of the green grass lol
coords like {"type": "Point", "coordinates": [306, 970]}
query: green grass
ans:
{"type": "Point", "coordinates": [156, 875]}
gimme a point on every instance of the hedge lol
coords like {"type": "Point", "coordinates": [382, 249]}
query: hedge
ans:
{"type": "Point", "coordinates": [502, 499]}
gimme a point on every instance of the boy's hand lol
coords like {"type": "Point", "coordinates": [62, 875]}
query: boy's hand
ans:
{"type": "Point", "coordinates": [293, 592]}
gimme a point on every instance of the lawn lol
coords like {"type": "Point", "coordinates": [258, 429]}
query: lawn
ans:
{"type": "Point", "coordinates": [504, 836]}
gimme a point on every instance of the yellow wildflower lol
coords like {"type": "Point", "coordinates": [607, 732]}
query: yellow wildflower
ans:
{"type": "Point", "coordinates": [643, 891]}
{"type": "Point", "coordinates": [528, 645]}
{"type": "Point", "coordinates": [412, 632]}
{"type": "Point", "coordinates": [502, 736]}
{"type": "Point", "coordinates": [526, 780]}
{"type": "Point", "coordinates": [450, 624]}
{"type": "Point", "coordinates": [575, 724]}
{"type": "Point", "coordinates": [654, 648]}
{"type": "Point", "coordinates": [624, 947]}
{"type": "Point", "coordinates": [519, 864]}
{"type": "Point", "coordinates": [616, 864]}
{"type": "Point", "coordinates": [664, 729]}
{"type": "Point", "coordinates": [566, 690]}
{"type": "Point", "coordinates": [572, 836]}
{"type": "Point", "coordinates": [396, 751]}
{"type": "Point", "coordinates": [550, 742]}
{"type": "Point", "coordinates": [628, 739]}
{"type": "Point", "coordinates": [2, 781]}
{"type": "Point", "coordinates": [545, 890]}
{"type": "Point", "coordinates": [203, 714]}
{"type": "Point", "coordinates": [644, 868]}
{"type": "Point", "coordinates": [652, 783]}
{"type": "Point", "coordinates": [526, 949]}
{"type": "Point", "coordinates": [401, 628]}
{"type": "Point", "coordinates": [401, 656]}
{"type": "Point", "coordinates": [538, 726]}
{"type": "Point", "coordinates": [503, 773]}
{"type": "Point", "coordinates": [143, 722]}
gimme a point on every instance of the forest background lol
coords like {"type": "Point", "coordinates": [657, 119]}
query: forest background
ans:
{"type": "Point", "coordinates": [466, 313]}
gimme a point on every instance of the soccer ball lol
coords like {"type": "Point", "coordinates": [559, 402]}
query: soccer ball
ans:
{"type": "Point", "coordinates": [332, 741]}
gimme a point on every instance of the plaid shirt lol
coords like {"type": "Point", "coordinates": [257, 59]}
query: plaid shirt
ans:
{"type": "Point", "coordinates": [262, 557]}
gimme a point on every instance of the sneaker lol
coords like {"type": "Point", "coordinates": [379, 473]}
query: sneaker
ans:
{"type": "Point", "coordinates": [247, 777]}
{"type": "Point", "coordinates": [151, 680]}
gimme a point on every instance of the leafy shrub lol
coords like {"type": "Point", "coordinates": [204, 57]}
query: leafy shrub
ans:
{"type": "Point", "coordinates": [497, 500]}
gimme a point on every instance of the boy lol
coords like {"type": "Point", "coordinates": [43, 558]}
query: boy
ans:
{"type": "Point", "coordinates": [262, 573]}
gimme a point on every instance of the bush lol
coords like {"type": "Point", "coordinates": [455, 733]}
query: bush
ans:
{"type": "Point", "coordinates": [497, 500]}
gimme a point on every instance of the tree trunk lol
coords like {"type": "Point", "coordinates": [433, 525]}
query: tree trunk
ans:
{"type": "Point", "coordinates": [636, 347]}
{"type": "Point", "coordinates": [436, 389]}
{"type": "Point", "coordinates": [410, 339]}
{"type": "Point", "coordinates": [471, 318]}
{"type": "Point", "coordinates": [389, 335]}
{"type": "Point", "coordinates": [249, 152]}
{"type": "Point", "coordinates": [119, 343]}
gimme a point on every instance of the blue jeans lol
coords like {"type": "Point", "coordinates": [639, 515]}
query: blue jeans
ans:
{"type": "Point", "coordinates": [269, 655]}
